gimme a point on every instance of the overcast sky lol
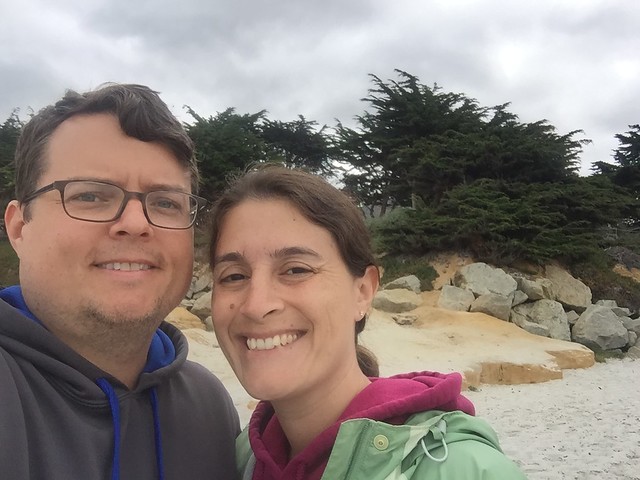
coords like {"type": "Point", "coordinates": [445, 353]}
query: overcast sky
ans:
{"type": "Point", "coordinates": [575, 63]}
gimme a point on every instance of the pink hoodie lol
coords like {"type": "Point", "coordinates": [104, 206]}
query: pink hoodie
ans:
{"type": "Point", "coordinates": [391, 400]}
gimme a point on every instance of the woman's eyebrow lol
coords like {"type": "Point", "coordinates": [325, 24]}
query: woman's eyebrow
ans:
{"type": "Point", "coordinates": [228, 257]}
{"type": "Point", "coordinates": [293, 251]}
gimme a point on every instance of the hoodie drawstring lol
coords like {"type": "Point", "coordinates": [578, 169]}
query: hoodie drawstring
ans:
{"type": "Point", "coordinates": [108, 390]}
{"type": "Point", "coordinates": [438, 431]}
{"type": "Point", "coordinates": [156, 432]}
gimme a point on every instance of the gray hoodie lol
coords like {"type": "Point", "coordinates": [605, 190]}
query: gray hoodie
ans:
{"type": "Point", "coordinates": [63, 418]}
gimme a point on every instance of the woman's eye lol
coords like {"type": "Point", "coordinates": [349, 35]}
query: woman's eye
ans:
{"type": "Point", "coordinates": [233, 277]}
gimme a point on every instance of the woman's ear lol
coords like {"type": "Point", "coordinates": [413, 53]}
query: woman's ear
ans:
{"type": "Point", "coordinates": [367, 288]}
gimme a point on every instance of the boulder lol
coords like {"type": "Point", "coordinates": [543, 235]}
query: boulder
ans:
{"type": "Point", "coordinates": [547, 313]}
{"type": "Point", "coordinates": [183, 319]}
{"type": "Point", "coordinates": [631, 324]}
{"type": "Point", "coordinates": [202, 306]}
{"type": "Point", "coordinates": [633, 338]}
{"type": "Point", "coordinates": [600, 329]}
{"type": "Point", "coordinates": [483, 279]}
{"type": "Point", "coordinates": [634, 352]}
{"type": "Point", "coordinates": [613, 305]}
{"type": "Point", "coordinates": [396, 301]}
{"type": "Point", "coordinates": [572, 317]}
{"type": "Point", "coordinates": [531, 288]}
{"type": "Point", "coordinates": [519, 297]}
{"type": "Point", "coordinates": [567, 290]}
{"type": "Point", "coordinates": [493, 304]}
{"type": "Point", "coordinates": [410, 282]}
{"type": "Point", "coordinates": [523, 323]}
{"type": "Point", "coordinates": [454, 298]}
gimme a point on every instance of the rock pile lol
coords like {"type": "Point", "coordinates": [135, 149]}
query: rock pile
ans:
{"type": "Point", "coordinates": [557, 306]}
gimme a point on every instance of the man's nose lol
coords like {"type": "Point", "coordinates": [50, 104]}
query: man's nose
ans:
{"type": "Point", "coordinates": [132, 220]}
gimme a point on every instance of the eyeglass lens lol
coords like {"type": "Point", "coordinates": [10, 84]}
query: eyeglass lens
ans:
{"type": "Point", "coordinates": [102, 202]}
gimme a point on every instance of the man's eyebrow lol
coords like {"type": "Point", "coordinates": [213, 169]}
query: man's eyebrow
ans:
{"type": "Point", "coordinates": [293, 251]}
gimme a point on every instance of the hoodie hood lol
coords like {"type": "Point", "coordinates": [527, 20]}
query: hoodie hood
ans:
{"type": "Point", "coordinates": [31, 340]}
{"type": "Point", "coordinates": [23, 335]}
{"type": "Point", "coordinates": [392, 400]}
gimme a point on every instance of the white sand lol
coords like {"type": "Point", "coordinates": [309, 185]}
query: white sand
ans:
{"type": "Point", "coordinates": [585, 426]}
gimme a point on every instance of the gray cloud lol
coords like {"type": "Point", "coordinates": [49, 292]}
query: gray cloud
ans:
{"type": "Point", "coordinates": [574, 63]}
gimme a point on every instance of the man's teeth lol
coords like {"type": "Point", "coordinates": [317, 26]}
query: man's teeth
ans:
{"type": "Point", "coordinates": [272, 342]}
{"type": "Point", "coordinates": [126, 266]}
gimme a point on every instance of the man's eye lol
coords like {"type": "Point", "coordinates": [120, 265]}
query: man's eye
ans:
{"type": "Point", "coordinates": [297, 271]}
{"type": "Point", "coordinates": [167, 204]}
{"type": "Point", "coordinates": [86, 197]}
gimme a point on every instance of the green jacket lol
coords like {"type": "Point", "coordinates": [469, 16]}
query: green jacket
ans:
{"type": "Point", "coordinates": [431, 445]}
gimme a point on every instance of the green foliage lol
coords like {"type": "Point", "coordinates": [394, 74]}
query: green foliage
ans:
{"type": "Point", "coordinates": [8, 264]}
{"type": "Point", "coordinates": [607, 284]}
{"type": "Point", "coordinates": [501, 222]}
{"type": "Point", "coordinates": [297, 144]}
{"type": "Point", "coordinates": [419, 140]}
{"type": "Point", "coordinates": [225, 144]}
{"type": "Point", "coordinates": [400, 266]}
{"type": "Point", "coordinates": [9, 133]}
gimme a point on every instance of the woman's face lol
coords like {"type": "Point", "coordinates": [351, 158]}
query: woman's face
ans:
{"type": "Point", "coordinates": [284, 303]}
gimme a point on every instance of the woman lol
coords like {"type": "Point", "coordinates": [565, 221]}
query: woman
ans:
{"type": "Point", "coordinates": [293, 276]}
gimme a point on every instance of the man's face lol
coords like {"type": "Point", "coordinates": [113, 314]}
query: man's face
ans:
{"type": "Point", "coordinates": [74, 273]}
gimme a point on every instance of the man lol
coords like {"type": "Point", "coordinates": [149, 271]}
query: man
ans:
{"type": "Point", "coordinates": [93, 383]}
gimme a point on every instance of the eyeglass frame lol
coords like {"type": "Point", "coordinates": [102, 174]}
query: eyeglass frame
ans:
{"type": "Point", "coordinates": [60, 185]}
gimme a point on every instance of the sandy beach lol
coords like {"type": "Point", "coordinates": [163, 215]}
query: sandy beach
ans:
{"type": "Point", "coordinates": [584, 426]}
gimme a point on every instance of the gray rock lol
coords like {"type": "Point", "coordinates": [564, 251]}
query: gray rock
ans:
{"type": "Point", "coordinates": [567, 290]}
{"type": "Point", "coordinates": [621, 311]}
{"type": "Point", "coordinates": [410, 282]}
{"type": "Point", "coordinates": [203, 282]}
{"type": "Point", "coordinates": [598, 328]}
{"type": "Point", "coordinates": [631, 324]}
{"type": "Point", "coordinates": [607, 303]}
{"type": "Point", "coordinates": [483, 279]}
{"type": "Point", "coordinates": [522, 322]}
{"type": "Point", "coordinates": [633, 338]}
{"type": "Point", "coordinates": [572, 317]}
{"type": "Point", "coordinates": [202, 306]}
{"type": "Point", "coordinates": [208, 324]}
{"type": "Point", "coordinates": [497, 306]}
{"type": "Point", "coordinates": [454, 298]}
{"type": "Point", "coordinates": [634, 352]}
{"type": "Point", "coordinates": [531, 288]}
{"type": "Point", "coordinates": [519, 297]}
{"type": "Point", "coordinates": [404, 318]}
{"type": "Point", "coordinates": [396, 301]}
{"type": "Point", "coordinates": [547, 313]}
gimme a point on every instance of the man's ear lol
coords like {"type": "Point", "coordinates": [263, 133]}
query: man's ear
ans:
{"type": "Point", "coordinates": [367, 288]}
{"type": "Point", "coordinates": [14, 223]}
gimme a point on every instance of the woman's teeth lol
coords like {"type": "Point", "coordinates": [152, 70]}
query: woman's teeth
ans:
{"type": "Point", "coordinates": [271, 342]}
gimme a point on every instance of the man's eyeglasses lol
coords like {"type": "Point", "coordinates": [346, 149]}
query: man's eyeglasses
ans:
{"type": "Point", "coordinates": [104, 202]}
